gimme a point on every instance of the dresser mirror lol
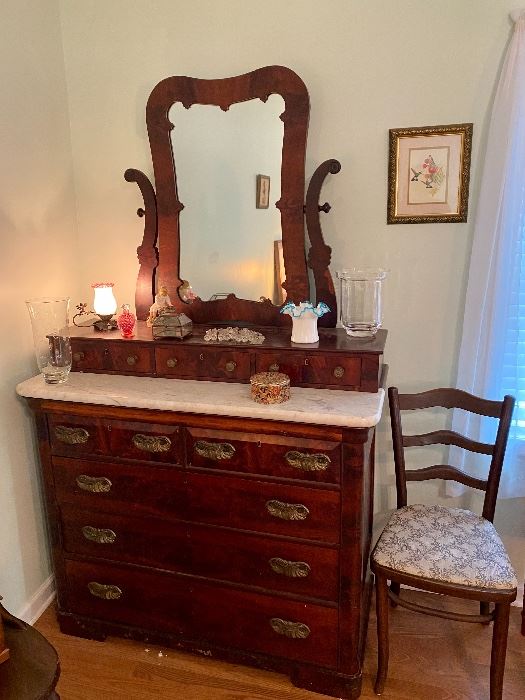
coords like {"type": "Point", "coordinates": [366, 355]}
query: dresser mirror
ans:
{"type": "Point", "coordinates": [220, 256]}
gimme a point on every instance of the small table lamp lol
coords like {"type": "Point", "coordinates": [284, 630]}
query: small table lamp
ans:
{"type": "Point", "coordinates": [105, 306]}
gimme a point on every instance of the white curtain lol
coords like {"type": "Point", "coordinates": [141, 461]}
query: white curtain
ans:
{"type": "Point", "coordinates": [492, 353]}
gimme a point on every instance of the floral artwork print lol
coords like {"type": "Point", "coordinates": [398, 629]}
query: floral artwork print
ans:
{"type": "Point", "coordinates": [428, 175]}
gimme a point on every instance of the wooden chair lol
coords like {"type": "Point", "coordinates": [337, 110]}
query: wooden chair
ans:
{"type": "Point", "coordinates": [443, 550]}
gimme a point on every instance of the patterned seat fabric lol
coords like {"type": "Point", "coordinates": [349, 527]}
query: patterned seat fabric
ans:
{"type": "Point", "coordinates": [451, 545]}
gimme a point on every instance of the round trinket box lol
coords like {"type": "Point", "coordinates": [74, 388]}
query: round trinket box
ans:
{"type": "Point", "coordinates": [270, 387]}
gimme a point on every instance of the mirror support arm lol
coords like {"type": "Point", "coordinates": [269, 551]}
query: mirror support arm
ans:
{"type": "Point", "coordinates": [147, 252]}
{"type": "Point", "coordinates": [320, 254]}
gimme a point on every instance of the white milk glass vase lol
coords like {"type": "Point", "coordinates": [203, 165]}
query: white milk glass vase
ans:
{"type": "Point", "coordinates": [361, 290]}
{"type": "Point", "coordinates": [50, 321]}
{"type": "Point", "coordinates": [304, 320]}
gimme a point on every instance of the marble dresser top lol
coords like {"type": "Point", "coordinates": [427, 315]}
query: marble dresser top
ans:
{"type": "Point", "coordinates": [322, 406]}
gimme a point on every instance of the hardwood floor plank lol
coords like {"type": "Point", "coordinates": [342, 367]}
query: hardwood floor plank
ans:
{"type": "Point", "coordinates": [430, 659]}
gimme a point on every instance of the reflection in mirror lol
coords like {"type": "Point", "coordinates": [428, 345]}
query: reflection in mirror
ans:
{"type": "Point", "coordinates": [227, 243]}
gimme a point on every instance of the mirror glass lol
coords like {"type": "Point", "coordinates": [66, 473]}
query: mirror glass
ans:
{"type": "Point", "coordinates": [230, 229]}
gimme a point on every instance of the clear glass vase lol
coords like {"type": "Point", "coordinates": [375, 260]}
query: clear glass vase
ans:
{"type": "Point", "coordinates": [50, 321]}
{"type": "Point", "coordinates": [361, 300]}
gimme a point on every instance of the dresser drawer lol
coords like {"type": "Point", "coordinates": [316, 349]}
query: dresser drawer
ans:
{"type": "Point", "coordinates": [127, 595]}
{"type": "Point", "coordinates": [271, 563]}
{"type": "Point", "coordinates": [249, 504]}
{"type": "Point", "coordinates": [146, 541]}
{"type": "Point", "coordinates": [199, 363]}
{"type": "Point", "coordinates": [117, 356]}
{"type": "Point", "coordinates": [334, 370]}
{"type": "Point", "coordinates": [77, 436]}
{"type": "Point", "coordinates": [287, 457]}
{"type": "Point", "coordinates": [268, 624]}
{"type": "Point", "coordinates": [119, 488]}
{"type": "Point", "coordinates": [290, 363]}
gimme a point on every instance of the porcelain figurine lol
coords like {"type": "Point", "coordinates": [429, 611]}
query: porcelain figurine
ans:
{"type": "Point", "coordinates": [162, 301]}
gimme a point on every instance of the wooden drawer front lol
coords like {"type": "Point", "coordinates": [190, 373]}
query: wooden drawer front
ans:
{"type": "Point", "coordinates": [291, 363]}
{"type": "Point", "coordinates": [145, 541]}
{"type": "Point", "coordinates": [246, 504]}
{"type": "Point", "coordinates": [201, 362]}
{"type": "Point", "coordinates": [274, 564]}
{"type": "Point", "coordinates": [291, 458]}
{"type": "Point", "coordinates": [145, 441]}
{"type": "Point", "coordinates": [119, 356]}
{"type": "Point", "coordinates": [334, 370]}
{"type": "Point", "coordinates": [126, 595]}
{"type": "Point", "coordinates": [262, 623]}
{"type": "Point", "coordinates": [119, 488]}
{"type": "Point", "coordinates": [77, 435]}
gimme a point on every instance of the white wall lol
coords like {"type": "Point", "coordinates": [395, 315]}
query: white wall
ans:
{"type": "Point", "coordinates": [38, 235]}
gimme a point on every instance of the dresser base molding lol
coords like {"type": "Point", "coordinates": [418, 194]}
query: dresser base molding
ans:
{"type": "Point", "coordinates": [305, 676]}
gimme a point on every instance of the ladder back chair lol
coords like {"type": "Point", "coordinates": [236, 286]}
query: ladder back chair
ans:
{"type": "Point", "coordinates": [450, 551]}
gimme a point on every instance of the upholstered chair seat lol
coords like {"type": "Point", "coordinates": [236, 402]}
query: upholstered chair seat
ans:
{"type": "Point", "coordinates": [451, 545]}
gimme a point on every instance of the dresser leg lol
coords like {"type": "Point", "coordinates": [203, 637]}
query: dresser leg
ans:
{"type": "Point", "coordinates": [326, 682]}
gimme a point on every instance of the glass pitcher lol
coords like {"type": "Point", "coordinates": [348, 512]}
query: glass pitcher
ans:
{"type": "Point", "coordinates": [49, 321]}
{"type": "Point", "coordinates": [361, 300]}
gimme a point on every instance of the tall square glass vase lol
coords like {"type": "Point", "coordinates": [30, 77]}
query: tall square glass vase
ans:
{"type": "Point", "coordinates": [50, 325]}
{"type": "Point", "coordinates": [361, 303]}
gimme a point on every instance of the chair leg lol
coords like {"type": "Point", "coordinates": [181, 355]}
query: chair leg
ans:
{"type": "Point", "coordinates": [484, 609]}
{"type": "Point", "coordinates": [396, 589]}
{"type": "Point", "coordinates": [499, 649]}
{"type": "Point", "coordinates": [382, 632]}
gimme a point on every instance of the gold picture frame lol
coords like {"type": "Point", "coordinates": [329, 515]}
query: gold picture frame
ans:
{"type": "Point", "coordinates": [428, 174]}
{"type": "Point", "coordinates": [262, 197]}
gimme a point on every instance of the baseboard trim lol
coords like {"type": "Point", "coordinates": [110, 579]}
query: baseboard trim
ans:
{"type": "Point", "coordinates": [39, 602]}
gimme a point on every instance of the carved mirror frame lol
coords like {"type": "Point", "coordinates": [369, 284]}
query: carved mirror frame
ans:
{"type": "Point", "coordinates": [159, 254]}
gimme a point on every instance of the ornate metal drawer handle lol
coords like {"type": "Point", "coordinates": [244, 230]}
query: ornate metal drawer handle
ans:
{"type": "Point", "coordinates": [214, 450]}
{"type": "Point", "coordinates": [307, 462]}
{"type": "Point", "coordinates": [274, 367]}
{"type": "Point", "coordinates": [292, 569]}
{"type": "Point", "coordinates": [78, 356]}
{"type": "Point", "coordinates": [338, 371]}
{"type": "Point", "coordinates": [98, 535]}
{"type": "Point", "coordinates": [230, 366]}
{"type": "Point", "coordinates": [71, 436]}
{"type": "Point", "coordinates": [132, 359]}
{"type": "Point", "coordinates": [172, 362]}
{"type": "Point", "coordinates": [94, 484]}
{"type": "Point", "coordinates": [151, 443]}
{"type": "Point", "coordinates": [287, 511]}
{"type": "Point", "coordinates": [292, 630]}
{"type": "Point", "coordinates": [104, 591]}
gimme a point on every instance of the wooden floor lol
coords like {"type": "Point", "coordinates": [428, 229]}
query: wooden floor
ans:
{"type": "Point", "coordinates": [431, 659]}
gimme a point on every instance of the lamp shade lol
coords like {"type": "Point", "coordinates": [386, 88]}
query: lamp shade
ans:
{"type": "Point", "coordinates": [104, 303]}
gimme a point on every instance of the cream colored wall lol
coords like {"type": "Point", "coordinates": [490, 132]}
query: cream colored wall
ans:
{"type": "Point", "coordinates": [369, 66]}
{"type": "Point", "coordinates": [38, 235]}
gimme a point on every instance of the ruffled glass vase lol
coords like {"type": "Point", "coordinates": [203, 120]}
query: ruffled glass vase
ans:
{"type": "Point", "coordinates": [304, 320]}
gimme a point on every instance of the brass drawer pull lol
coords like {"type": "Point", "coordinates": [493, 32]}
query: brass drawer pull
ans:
{"type": "Point", "coordinates": [274, 367]}
{"type": "Point", "coordinates": [132, 359]}
{"type": "Point", "coordinates": [172, 362]}
{"type": "Point", "coordinates": [151, 443]}
{"type": "Point", "coordinates": [104, 591]}
{"type": "Point", "coordinates": [71, 436]}
{"type": "Point", "coordinates": [307, 462]}
{"type": "Point", "coordinates": [78, 356]}
{"type": "Point", "coordinates": [287, 511]}
{"type": "Point", "coordinates": [94, 484]}
{"type": "Point", "coordinates": [214, 450]}
{"type": "Point", "coordinates": [338, 372]}
{"type": "Point", "coordinates": [230, 366]}
{"type": "Point", "coordinates": [291, 569]}
{"type": "Point", "coordinates": [292, 630]}
{"type": "Point", "coordinates": [98, 535]}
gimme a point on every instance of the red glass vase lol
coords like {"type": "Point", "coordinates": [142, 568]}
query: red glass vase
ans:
{"type": "Point", "coordinates": [126, 322]}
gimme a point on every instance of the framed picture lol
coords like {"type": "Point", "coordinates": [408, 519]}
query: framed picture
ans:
{"type": "Point", "coordinates": [262, 200]}
{"type": "Point", "coordinates": [428, 174]}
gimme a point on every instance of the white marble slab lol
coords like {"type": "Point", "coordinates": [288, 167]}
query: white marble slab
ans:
{"type": "Point", "coordinates": [321, 406]}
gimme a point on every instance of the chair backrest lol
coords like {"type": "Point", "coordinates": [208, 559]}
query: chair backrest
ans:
{"type": "Point", "coordinates": [450, 398]}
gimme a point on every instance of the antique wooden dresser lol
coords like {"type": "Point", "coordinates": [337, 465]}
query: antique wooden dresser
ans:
{"type": "Point", "coordinates": [180, 511]}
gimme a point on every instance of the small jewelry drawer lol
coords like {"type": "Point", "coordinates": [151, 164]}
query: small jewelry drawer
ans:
{"type": "Point", "coordinates": [249, 504]}
{"type": "Point", "coordinates": [287, 457]}
{"type": "Point", "coordinates": [119, 488]}
{"type": "Point", "coordinates": [255, 560]}
{"type": "Point", "coordinates": [144, 541]}
{"type": "Point", "coordinates": [290, 363]}
{"type": "Point", "coordinates": [123, 357]}
{"type": "Point", "coordinates": [336, 371]}
{"type": "Point", "coordinates": [127, 595]}
{"type": "Point", "coordinates": [202, 362]}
